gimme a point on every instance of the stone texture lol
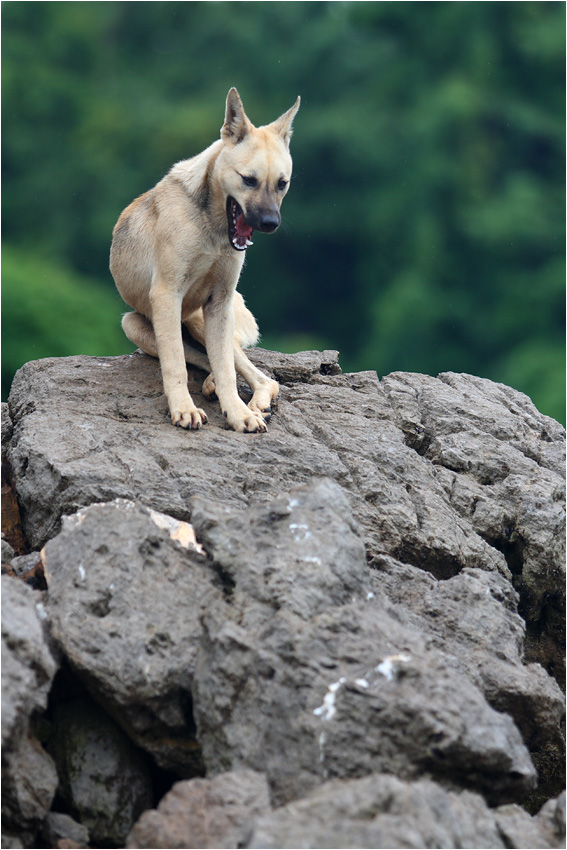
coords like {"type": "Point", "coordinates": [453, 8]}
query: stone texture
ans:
{"type": "Point", "coordinates": [124, 606]}
{"type": "Point", "coordinates": [29, 779]}
{"type": "Point", "coordinates": [200, 813]}
{"type": "Point", "coordinates": [59, 828]}
{"type": "Point", "coordinates": [443, 473]}
{"type": "Point", "coordinates": [382, 812]}
{"type": "Point", "coordinates": [7, 551]}
{"type": "Point", "coordinates": [28, 666]}
{"type": "Point", "coordinates": [473, 618]}
{"type": "Point", "coordinates": [375, 585]}
{"type": "Point", "coordinates": [502, 465]}
{"type": "Point", "coordinates": [29, 783]}
{"type": "Point", "coordinates": [273, 656]}
{"type": "Point", "coordinates": [103, 779]}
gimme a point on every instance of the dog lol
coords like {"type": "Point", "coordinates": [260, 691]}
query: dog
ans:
{"type": "Point", "coordinates": [176, 256]}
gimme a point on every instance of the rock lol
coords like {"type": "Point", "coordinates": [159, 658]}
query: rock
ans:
{"type": "Point", "coordinates": [393, 491]}
{"type": "Point", "coordinates": [551, 821]}
{"type": "Point", "coordinates": [59, 827]}
{"type": "Point", "coordinates": [382, 811]}
{"type": "Point", "coordinates": [217, 812]}
{"type": "Point", "coordinates": [12, 532]}
{"type": "Point", "coordinates": [11, 841]}
{"type": "Point", "coordinates": [29, 779]}
{"type": "Point", "coordinates": [28, 666]}
{"type": "Point", "coordinates": [344, 689]}
{"type": "Point", "coordinates": [5, 425]}
{"type": "Point", "coordinates": [503, 468]}
{"type": "Point", "coordinates": [29, 783]}
{"type": "Point", "coordinates": [519, 831]}
{"type": "Point", "coordinates": [30, 569]}
{"type": "Point", "coordinates": [301, 551]}
{"type": "Point", "coordinates": [124, 603]}
{"type": "Point", "coordinates": [378, 591]}
{"type": "Point", "coordinates": [442, 473]}
{"type": "Point", "coordinates": [103, 779]}
{"type": "Point", "coordinates": [7, 551]}
{"type": "Point", "coordinates": [473, 619]}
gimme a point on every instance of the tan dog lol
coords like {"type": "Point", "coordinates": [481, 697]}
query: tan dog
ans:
{"type": "Point", "coordinates": [176, 256]}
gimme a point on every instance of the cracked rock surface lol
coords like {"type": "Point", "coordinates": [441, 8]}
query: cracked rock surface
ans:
{"type": "Point", "coordinates": [362, 605]}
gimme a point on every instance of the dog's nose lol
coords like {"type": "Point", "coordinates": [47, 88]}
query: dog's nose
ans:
{"type": "Point", "coordinates": [269, 222]}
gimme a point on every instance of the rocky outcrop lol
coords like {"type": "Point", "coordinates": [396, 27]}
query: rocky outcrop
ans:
{"type": "Point", "coordinates": [359, 612]}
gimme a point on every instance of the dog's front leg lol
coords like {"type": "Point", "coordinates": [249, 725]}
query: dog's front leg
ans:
{"type": "Point", "coordinates": [219, 335]}
{"type": "Point", "coordinates": [166, 321]}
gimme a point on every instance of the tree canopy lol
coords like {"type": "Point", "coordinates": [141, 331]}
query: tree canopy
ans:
{"type": "Point", "coordinates": [424, 228]}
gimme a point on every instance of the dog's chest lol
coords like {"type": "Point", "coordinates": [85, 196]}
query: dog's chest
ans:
{"type": "Point", "coordinates": [209, 273]}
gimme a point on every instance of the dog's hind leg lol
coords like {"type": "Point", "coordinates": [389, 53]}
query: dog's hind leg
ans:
{"type": "Point", "coordinates": [139, 330]}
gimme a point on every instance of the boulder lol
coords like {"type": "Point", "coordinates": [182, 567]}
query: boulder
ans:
{"type": "Point", "coordinates": [124, 604]}
{"type": "Point", "coordinates": [306, 691]}
{"type": "Point", "coordinates": [473, 618]}
{"type": "Point", "coordinates": [502, 465]}
{"type": "Point", "coordinates": [370, 593]}
{"type": "Point", "coordinates": [382, 811]}
{"type": "Point", "coordinates": [201, 813]}
{"type": "Point", "coordinates": [59, 828]}
{"type": "Point", "coordinates": [442, 473]}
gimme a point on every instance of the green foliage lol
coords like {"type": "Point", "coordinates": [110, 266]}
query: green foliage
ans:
{"type": "Point", "coordinates": [425, 225]}
{"type": "Point", "coordinates": [55, 312]}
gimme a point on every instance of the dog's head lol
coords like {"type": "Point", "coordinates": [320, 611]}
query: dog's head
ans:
{"type": "Point", "coordinates": [254, 169]}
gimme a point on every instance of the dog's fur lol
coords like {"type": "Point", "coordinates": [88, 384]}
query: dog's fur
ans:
{"type": "Point", "coordinates": [176, 257]}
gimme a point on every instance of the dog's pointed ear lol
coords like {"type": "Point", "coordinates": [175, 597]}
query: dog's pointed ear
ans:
{"type": "Point", "coordinates": [236, 124]}
{"type": "Point", "coordinates": [282, 125]}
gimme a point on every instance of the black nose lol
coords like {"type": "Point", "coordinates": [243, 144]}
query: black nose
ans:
{"type": "Point", "coordinates": [269, 222]}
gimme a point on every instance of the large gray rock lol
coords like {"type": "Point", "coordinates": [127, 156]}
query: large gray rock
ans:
{"type": "Point", "coordinates": [502, 465]}
{"type": "Point", "coordinates": [200, 813]}
{"type": "Point", "coordinates": [381, 572]}
{"type": "Point", "coordinates": [124, 603]}
{"type": "Point", "coordinates": [442, 473]}
{"type": "Point", "coordinates": [29, 779]}
{"type": "Point", "coordinates": [306, 691]}
{"type": "Point", "coordinates": [382, 811]}
{"type": "Point", "coordinates": [473, 618]}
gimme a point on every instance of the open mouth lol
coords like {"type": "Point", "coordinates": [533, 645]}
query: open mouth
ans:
{"type": "Point", "coordinates": [239, 231]}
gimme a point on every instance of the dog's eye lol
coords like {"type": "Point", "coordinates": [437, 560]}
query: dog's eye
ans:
{"type": "Point", "coordinates": [249, 181]}
{"type": "Point", "coordinates": [282, 184]}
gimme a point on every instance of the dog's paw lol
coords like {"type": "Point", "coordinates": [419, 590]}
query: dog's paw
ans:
{"type": "Point", "coordinates": [209, 387]}
{"type": "Point", "coordinates": [265, 412]}
{"type": "Point", "coordinates": [191, 418]}
{"type": "Point", "coordinates": [254, 424]}
{"type": "Point", "coordinates": [261, 401]}
{"type": "Point", "coordinates": [248, 422]}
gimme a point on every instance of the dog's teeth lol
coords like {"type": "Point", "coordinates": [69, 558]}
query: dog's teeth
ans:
{"type": "Point", "coordinates": [249, 242]}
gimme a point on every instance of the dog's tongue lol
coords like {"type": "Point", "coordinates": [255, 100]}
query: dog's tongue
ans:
{"type": "Point", "coordinates": [243, 229]}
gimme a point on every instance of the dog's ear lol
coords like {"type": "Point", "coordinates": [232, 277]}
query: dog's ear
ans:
{"type": "Point", "coordinates": [236, 124]}
{"type": "Point", "coordinates": [282, 125]}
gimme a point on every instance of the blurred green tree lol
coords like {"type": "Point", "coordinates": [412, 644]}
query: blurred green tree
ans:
{"type": "Point", "coordinates": [425, 226]}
